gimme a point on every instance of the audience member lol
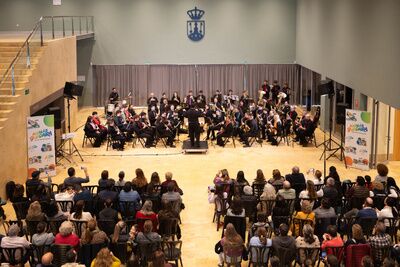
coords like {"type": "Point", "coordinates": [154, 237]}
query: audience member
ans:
{"type": "Point", "coordinates": [357, 236]}
{"type": "Point", "coordinates": [367, 211]}
{"type": "Point", "coordinates": [280, 212]}
{"type": "Point", "coordinates": [232, 245]}
{"type": "Point", "coordinates": [308, 240]}
{"type": "Point", "coordinates": [379, 241]}
{"type": "Point", "coordinates": [108, 192]}
{"type": "Point", "coordinates": [236, 208]}
{"type": "Point", "coordinates": [287, 192]}
{"type": "Point", "coordinates": [47, 260]}
{"type": "Point", "coordinates": [260, 178]}
{"type": "Point", "coordinates": [169, 180]}
{"type": "Point", "coordinates": [154, 187]}
{"type": "Point", "coordinates": [18, 194]}
{"type": "Point", "coordinates": [108, 213]}
{"type": "Point", "coordinates": [367, 261]}
{"type": "Point", "coordinates": [121, 179]}
{"type": "Point", "coordinates": [310, 193]}
{"type": "Point", "coordinates": [146, 213]}
{"type": "Point", "coordinates": [359, 190]}
{"type": "Point", "coordinates": [260, 239]}
{"type": "Point", "coordinates": [79, 214]}
{"type": "Point", "coordinates": [66, 235]}
{"type": "Point", "coordinates": [331, 239]}
{"type": "Point", "coordinates": [383, 172]}
{"type": "Point", "coordinates": [105, 258]}
{"type": "Point", "coordinates": [82, 194]}
{"type": "Point", "coordinates": [140, 181]}
{"type": "Point", "coordinates": [277, 178]}
{"type": "Point", "coordinates": [159, 260]}
{"type": "Point", "coordinates": [35, 212]}
{"type": "Point", "coordinates": [92, 235]}
{"type": "Point", "coordinates": [306, 213]}
{"type": "Point", "coordinates": [283, 242]}
{"type": "Point", "coordinates": [103, 180]}
{"type": "Point", "coordinates": [72, 180]}
{"type": "Point", "coordinates": [173, 196]}
{"type": "Point", "coordinates": [296, 180]}
{"type": "Point", "coordinates": [66, 193]}
{"type": "Point", "coordinates": [324, 210]}
{"type": "Point", "coordinates": [71, 257]}
{"type": "Point", "coordinates": [13, 240]}
{"type": "Point", "coordinates": [41, 237]}
{"type": "Point", "coordinates": [392, 188]}
{"type": "Point", "coordinates": [332, 261]}
{"type": "Point", "coordinates": [53, 212]}
{"type": "Point", "coordinates": [147, 235]}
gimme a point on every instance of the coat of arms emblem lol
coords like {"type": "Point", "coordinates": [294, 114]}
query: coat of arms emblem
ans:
{"type": "Point", "coordinates": [196, 27]}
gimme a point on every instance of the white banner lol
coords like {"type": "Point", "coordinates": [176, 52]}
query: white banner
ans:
{"type": "Point", "coordinates": [41, 148]}
{"type": "Point", "coordinates": [358, 141]}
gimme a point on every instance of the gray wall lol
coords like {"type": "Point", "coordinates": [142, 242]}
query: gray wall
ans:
{"type": "Point", "coordinates": [154, 31]}
{"type": "Point", "coordinates": [355, 42]}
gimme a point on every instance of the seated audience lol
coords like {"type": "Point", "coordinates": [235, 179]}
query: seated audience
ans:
{"type": "Point", "coordinates": [66, 193]}
{"type": "Point", "coordinates": [217, 195]}
{"type": "Point", "coordinates": [82, 194]}
{"type": "Point", "coordinates": [232, 245]}
{"type": "Point", "coordinates": [383, 172]}
{"type": "Point", "coordinates": [367, 261]}
{"type": "Point", "coordinates": [41, 194]}
{"type": "Point", "coordinates": [240, 179]}
{"type": "Point", "coordinates": [166, 214]}
{"type": "Point", "coordinates": [325, 210]}
{"type": "Point", "coordinates": [13, 240]}
{"type": "Point", "coordinates": [330, 191]}
{"type": "Point", "coordinates": [236, 208]}
{"type": "Point", "coordinates": [287, 192]}
{"type": "Point", "coordinates": [169, 180]}
{"type": "Point", "coordinates": [66, 235]}
{"type": "Point", "coordinates": [260, 239]}
{"type": "Point", "coordinates": [277, 178]}
{"type": "Point", "coordinates": [108, 213]}
{"type": "Point", "coordinates": [147, 235]}
{"type": "Point", "coordinates": [357, 236]}
{"type": "Point", "coordinates": [283, 242]}
{"type": "Point", "coordinates": [128, 194]}
{"type": "Point", "coordinates": [79, 214]}
{"type": "Point", "coordinates": [392, 189]}
{"type": "Point", "coordinates": [18, 194]}
{"type": "Point", "coordinates": [41, 237]}
{"type": "Point", "coordinates": [222, 178]}
{"type": "Point", "coordinates": [296, 180]}
{"type": "Point", "coordinates": [92, 235]}
{"type": "Point", "coordinates": [306, 213]}
{"type": "Point", "coordinates": [71, 258]}
{"type": "Point", "coordinates": [35, 212]}
{"type": "Point", "coordinates": [318, 178]}
{"type": "Point", "coordinates": [331, 239]}
{"type": "Point", "coordinates": [260, 178]}
{"type": "Point", "coordinates": [34, 182]}
{"type": "Point", "coordinates": [105, 258]}
{"type": "Point", "coordinates": [379, 241]}
{"type": "Point", "coordinates": [103, 180]}
{"type": "Point", "coordinates": [173, 196]}
{"type": "Point", "coordinates": [280, 210]}
{"type": "Point", "coordinates": [308, 240]}
{"type": "Point", "coordinates": [108, 192]}
{"type": "Point", "coordinates": [332, 261]}
{"type": "Point", "coordinates": [310, 193]}
{"type": "Point", "coordinates": [47, 260]}
{"type": "Point", "coordinates": [140, 181]}
{"type": "Point", "coordinates": [388, 211]}
{"type": "Point", "coordinates": [146, 213]}
{"type": "Point", "coordinates": [53, 212]}
{"type": "Point", "coordinates": [73, 180]}
{"type": "Point", "coordinates": [121, 179]}
{"type": "Point", "coordinates": [159, 260]}
{"type": "Point", "coordinates": [367, 211]}
{"type": "Point", "coordinates": [154, 185]}
{"type": "Point", "coordinates": [359, 190]}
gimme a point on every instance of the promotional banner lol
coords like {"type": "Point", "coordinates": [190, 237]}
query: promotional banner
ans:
{"type": "Point", "coordinates": [41, 150]}
{"type": "Point", "coordinates": [358, 141]}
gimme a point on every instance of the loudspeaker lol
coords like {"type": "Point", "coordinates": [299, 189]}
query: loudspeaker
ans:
{"type": "Point", "coordinates": [71, 89]}
{"type": "Point", "coordinates": [341, 113]}
{"type": "Point", "coordinates": [324, 118]}
{"type": "Point", "coordinates": [326, 87]}
{"type": "Point", "coordinates": [56, 111]}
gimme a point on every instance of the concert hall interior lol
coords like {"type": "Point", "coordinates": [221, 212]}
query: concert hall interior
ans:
{"type": "Point", "coordinates": [205, 133]}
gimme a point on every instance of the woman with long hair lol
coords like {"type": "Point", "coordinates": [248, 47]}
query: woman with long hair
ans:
{"type": "Point", "coordinates": [310, 193]}
{"type": "Point", "coordinates": [79, 214]}
{"type": "Point", "coordinates": [35, 212]}
{"type": "Point", "coordinates": [92, 235]}
{"type": "Point", "coordinates": [260, 239]}
{"type": "Point", "coordinates": [217, 196]}
{"type": "Point", "coordinates": [147, 213]}
{"type": "Point", "coordinates": [357, 236]}
{"type": "Point", "coordinates": [277, 178]}
{"type": "Point", "coordinates": [268, 194]}
{"type": "Point", "coordinates": [392, 188]}
{"type": "Point", "coordinates": [260, 178]}
{"type": "Point", "coordinates": [240, 179]}
{"type": "Point", "coordinates": [159, 260]}
{"type": "Point", "coordinates": [236, 209]}
{"type": "Point", "coordinates": [308, 240]}
{"type": "Point", "coordinates": [105, 258]}
{"type": "Point", "coordinates": [153, 188]}
{"type": "Point", "coordinates": [140, 181]}
{"type": "Point", "coordinates": [306, 213]}
{"type": "Point", "coordinates": [232, 244]}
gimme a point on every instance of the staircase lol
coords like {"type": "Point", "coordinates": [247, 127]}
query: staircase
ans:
{"type": "Point", "coordinates": [8, 51]}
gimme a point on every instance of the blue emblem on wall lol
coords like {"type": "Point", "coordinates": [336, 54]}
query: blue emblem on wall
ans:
{"type": "Point", "coordinates": [196, 28]}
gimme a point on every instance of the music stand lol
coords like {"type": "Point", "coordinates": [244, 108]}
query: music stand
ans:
{"type": "Point", "coordinates": [63, 152]}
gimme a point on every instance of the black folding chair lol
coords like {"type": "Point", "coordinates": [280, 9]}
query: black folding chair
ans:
{"type": "Point", "coordinates": [15, 256]}
{"type": "Point", "coordinates": [21, 209]}
{"type": "Point", "coordinates": [65, 205]}
{"type": "Point", "coordinates": [60, 253]}
{"type": "Point", "coordinates": [173, 251]}
{"type": "Point", "coordinates": [259, 256]}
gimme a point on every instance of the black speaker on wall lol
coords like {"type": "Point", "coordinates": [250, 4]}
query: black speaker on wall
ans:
{"type": "Point", "coordinates": [56, 111]}
{"type": "Point", "coordinates": [326, 87]}
{"type": "Point", "coordinates": [341, 113]}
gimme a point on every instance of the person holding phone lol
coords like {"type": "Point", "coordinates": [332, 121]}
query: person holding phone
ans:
{"type": "Point", "coordinates": [72, 180]}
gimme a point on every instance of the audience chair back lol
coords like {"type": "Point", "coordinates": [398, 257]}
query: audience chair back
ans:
{"type": "Point", "coordinates": [173, 251]}
{"type": "Point", "coordinates": [258, 189]}
{"type": "Point", "coordinates": [392, 226]}
{"type": "Point", "coordinates": [15, 256]}
{"type": "Point", "coordinates": [259, 256]}
{"type": "Point", "coordinates": [146, 252]}
{"type": "Point", "coordinates": [31, 227]}
{"type": "Point", "coordinates": [106, 226]}
{"type": "Point", "coordinates": [239, 223]}
{"type": "Point", "coordinates": [59, 254]}
{"type": "Point", "coordinates": [338, 252]}
{"type": "Point", "coordinates": [54, 225]}
{"type": "Point", "coordinates": [355, 253]}
{"type": "Point", "coordinates": [88, 252]}
{"type": "Point", "coordinates": [79, 226]}
{"type": "Point", "coordinates": [304, 254]}
{"type": "Point", "coordinates": [285, 255]}
{"type": "Point", "coordinates": [127, 209]}
{"type": "Point", "coordinates": [321, 225]}
{"type": "Point", "coordinates": [37, 252]}
{"type": "Point", "coordinates": [379, 254]}
{"type": "Point", "coordinates": [93, 189]}
{"type": "Point", "coordinates": [155, 199]}
{"type": "Point", "coordinates": [298, 224]}
{"type": "Point", "coordinates": [368, 225]}
{"type": "Point", "coordinates": [168, 228]}
{"type": "Point", "coordinates": [267, 206]}
{"type": "Point", "coordinates": [65, 205]}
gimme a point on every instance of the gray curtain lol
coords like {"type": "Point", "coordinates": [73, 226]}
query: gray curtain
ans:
{"type": "Point", "coordinates": [143, 79]}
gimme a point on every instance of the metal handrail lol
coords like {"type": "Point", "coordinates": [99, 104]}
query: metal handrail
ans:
{"type": "Point", "coordinates": [39, 26]}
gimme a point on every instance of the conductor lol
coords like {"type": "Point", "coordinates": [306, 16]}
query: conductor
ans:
{"type": "Point", "coordinates": [193, 115]}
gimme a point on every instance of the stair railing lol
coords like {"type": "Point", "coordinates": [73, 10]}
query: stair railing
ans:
{"type": "Point", "coordinates": [25, 49]}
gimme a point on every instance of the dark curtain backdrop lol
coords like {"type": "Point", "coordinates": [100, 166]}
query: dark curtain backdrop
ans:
{"type": "Point", "coordinates": [143, 79]}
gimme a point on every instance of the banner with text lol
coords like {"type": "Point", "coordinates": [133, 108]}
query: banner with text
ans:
{"type": "Point", "coordinates": [41, 150]}
{"type": "Point", "coordinates": [358, 141]}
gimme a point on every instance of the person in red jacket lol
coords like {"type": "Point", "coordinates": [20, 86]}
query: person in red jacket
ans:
{"type": "Point", "coordinates": [66, 236]}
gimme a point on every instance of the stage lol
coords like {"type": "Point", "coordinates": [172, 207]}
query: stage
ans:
{"type": "Point", "coordinates": [195, 172]}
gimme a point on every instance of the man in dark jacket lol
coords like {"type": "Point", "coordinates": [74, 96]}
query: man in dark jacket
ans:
{"type": "Point", "coordinates": [284, 246]}
{"type": "Point", "coordinates": [297, 180]}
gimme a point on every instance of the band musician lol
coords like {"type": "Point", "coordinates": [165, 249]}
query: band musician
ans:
{"type": "Point", "coordinates": [226, 131]}
{"type": "Point", "coordinates": [249, 128]}
{"type": "Point", "coordinates": [217, 120]}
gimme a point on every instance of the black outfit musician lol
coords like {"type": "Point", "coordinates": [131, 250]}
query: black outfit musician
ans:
{"type": "Point", "coordinates": [249, 129]}
{"type": "Point", "coordinates": [217, 120]}
{"type": "Point", "coordinates": [152, 101]}
{"type": "Point", "coordinates": [201, 99]}
{"type": "Point", "coordinates": [114, 97]}
{"type": "Point", "coordinates": [266, 88]}
{"type": "Point", "coordinates": [175, 100]}
{"type": "Point", "coordinates": [165, 130]}
{"type": "Point", "coordinates": [226, 131]}
{"type": "Point", "coordinates": [286, 90]}
{"type": "Point", "coordinates": [305, 129]}
{"type": "Point", "coordinates": [218, 96]}
{"type": "Point", "coordinates": [116, 135]}
{"type": "Point", "coordinates": [93, 130]}
{"type": "Point", "coordinates": [194, 127]}
{"type": "Point", "coordinates": [152, 115]}
{"type": "Point", "coordinates": [143, 131]}
{"type": "Point", "coordinates": [275, 90]}
{"type": "Point", "coordinates": [189, 99]}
